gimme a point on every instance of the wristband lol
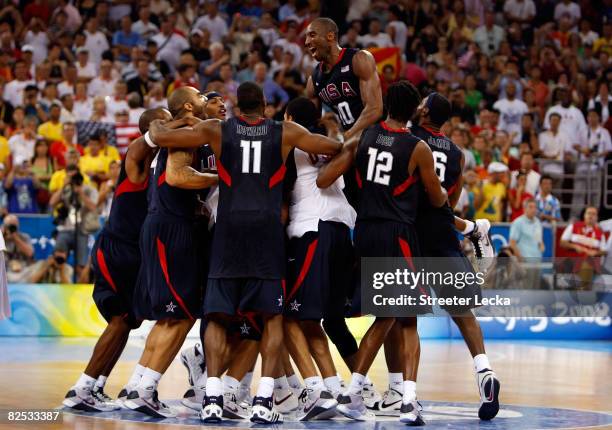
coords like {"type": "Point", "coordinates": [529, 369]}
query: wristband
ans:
{"type": "Point", "coordinates": [149, 141]}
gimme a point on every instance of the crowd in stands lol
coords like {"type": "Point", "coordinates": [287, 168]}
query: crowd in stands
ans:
{"type": "Point", "coordinates": [529, 82]}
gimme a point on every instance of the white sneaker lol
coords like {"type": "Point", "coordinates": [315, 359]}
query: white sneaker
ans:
{"type": "Point", "coordinates": [370, 395]}
{"type": "Point", "coordinates": [233, 409]}
{"type": "Point", "coordinates": [122, 396]}
{"type": "Point", "coordinates": [410, 414]}
{"type": "Point", "coordinates": [194, 397]}
{"type": "Point", "coordinates": [390, 404]}
{"type": "Point", "coordinates": [195, 363]}
{"type": "Point", "coordinates": [82, 399]}
{"type": "Point", "coordinates": [353, 407]}
{"type": "Point", "coordinates": [212, 409]}
{"type": "Point", "coordinates": [263, 413]}
{"type": "Point", "coordinates": [147, 402]}
{"type": "Point", "coordinates": [316, 405]}
{"type": "Point", "coordinates": [483, 249]}
{"type": "Point", "coordinates": [285, 401]}
{"type": "Point", "coordinates": [101, 396]}
{"type": "Point", "coordinates": [488, 386]}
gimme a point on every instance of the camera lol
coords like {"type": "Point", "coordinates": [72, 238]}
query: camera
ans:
{"type": "Point", "coordinates": [76, 180]}
{"type": "Point", "coordinates": [12, 228]}
{"type": "Point", "coordinates": [59, 259]}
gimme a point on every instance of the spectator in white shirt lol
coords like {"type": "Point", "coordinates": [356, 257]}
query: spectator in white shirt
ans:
{"type": "Point", "coordinates": [118, 102]}
{"type": "Point", "coordinates": [144, 26]}
{"type": "Point", "coordinates": [397, 29]}
{"type": "Point", "coordinates": [569, 9]}
{"type": "Point", "coordinates": [70, 79]}
{"type": "Point", "coordinates": [67, 114]}
{"type": "Point", "coordinates": [572, 125]}
{"type": "Point", "coordinates": [99, 112]}
{"type": "Point", "coordinates": [375, 37]}
{"type": "Point", "coordinates": [511, 111]}
{"type": "Point", "coordinates": [95, 41]}
{"type": "Point", "coordinates": [602, 103]}
{"type": "Point", "coordinates": [103, 85]}
{"type": "Point", "coordinates": [266, 29]}
{"type": "Point", "coordinates": [170, 45]}
{"type": "Point", "coordinates": [587, 36]}
{"type": "Point", "coordinates": [289, 43]}
{"type": "Point", "coordinates": [82, 102]}
{"type": "Point", "coordinates": [533, 177]}
{"type": "Point", "coordinates": [489, 36]}
{"type": "Point", "coordinates": [86, 70]}
{"type": "Point", "coordinates": [13, 90]}
{"type": "Point", "coordinates": [37, 39]}
{"type": "Point", "coordinates": [552, 144]}
{"type": "Point", "coordinates": [22, 144]}
{"type": "Point", "coordinates": [214, 23]}
{"type": "Point", "coordinates": [73, 17]}
{"type": "Point", "coordinates": [521, 11]}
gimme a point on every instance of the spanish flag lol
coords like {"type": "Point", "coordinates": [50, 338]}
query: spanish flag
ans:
{"type": "Point", "coordinates": [384, 56]}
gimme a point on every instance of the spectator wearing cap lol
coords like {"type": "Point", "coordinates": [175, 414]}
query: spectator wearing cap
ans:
{"type": "Point", "coordinates": [104, 83]}
{"type": "Point", "coordinates": [22, 143]}
{"type": "Point", "coordinates": [214, 23]}
{"type": "Point", "coordinates": [549, 207]}
{"type": "Point", "coordinates": [489, 36]}
{"type": "Point", "coordinates": [52, 129]}
{"type": "Point", "coordinates": [95, 40]}
{"type": "Point", "coordinates": [144, 27]}
{"type": "Point", "coordinates": [493, 193]}
{"type": "Point", "coordinates": [13, 90]}
{"type": "Point", "coordinates": [86, 70]}
{"type": "Point", "coordinates": [169, 44]}
{"type": "Point", "coordinates": [59, 148]}
{"type": "Point", "coordinates": [125, 39]}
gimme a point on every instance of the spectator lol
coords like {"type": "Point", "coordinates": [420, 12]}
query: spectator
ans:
{"type": "Point", "coordinates": [375, 37]}
{"type": "Point", "coordinates": [602, 103]}
{"type": "Point", "coordinates": [169, 44]}
{"type": "Point", "coordinates": [53, 270]}
{"type": "Point", "coordinates": [276, 97]}
{"type": "Point", "coordinates": [82, 108]}
{"type": "Point", "coordinates": [291, 43]}
{"type": "Point", "coordinates": [107, 189]}
{"type": "Point", "coordinates": [95, 40]}
{"type": "Point", "coordinates": [212, 22]}
{"type": "Point", "coordinates": [95, 163]}
{"type": "Point", "coordinates": [59, 176]}
{"type": "Point", "coordinates": [135, 107]}
{"type": "Point", "coordinates": [489, 36]}
{"type": "Point", "coordinates": [22, 142]}
{"type": "Point", "coordinates": [19, 250]}
{"type": "Point", "coordinates": [52, 129]}
{"type": "Point", "coordinates": [511, 112]}
{"type": "Point", "coordinates": [21, 185]}
{"type": "Point", "coordinates": [67, 86]}
{"type": "Point", "coordinates": [526, 238]}
{"type": "Point", "coordinates": [553, 145]}
{"type": "Point", "coordinates": [118, 101]}
{"type": "Point", "coordinates": [573, 125]}
{"type": "Point", "coordinates": [517, 196]}
{"type": "Point", "coordinates": [144, 27]}
{"type": "Point", "coordinates": [520, 11]}
{"type": "Point", "coordinates": [13, 90]}
{"type": "Point", "coordinates": [59, 148]}
{"type": "Point", "coordinates": [493, 193]}
{"type": "Point", "coordinates": [533, 177]}
{"type": "Point", "coordinates": [104, 83]}
{"type": "Point", "coordinates": [142, 83]}
{"type": "Point", "coordinates": [43, 167]}
{"type": "Point", "coordinates": [549, 207]}
{"type": "Point", "coordinates": [568, 9]}
{"type": "Point", "coordinates": [86, 70]}
{"type": "Point", "coordinates": [125, 39]}
{"type": "Point", "coordinates": [604, 43]}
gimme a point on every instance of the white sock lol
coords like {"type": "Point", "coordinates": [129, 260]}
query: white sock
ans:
{"type": "Point", "coordinates": [469, 227]}
{"type": "Point", "coordinates": [85, 381]}
{"type": "Point", "coordinates": [266, 387]}
{"type": "Point", "coordinates": [200, 348]}
{"type": "Point", "coordinates": [409, 391]}
{"type": "Point", "coordinates": [201, 382]}
{"type": "Point", "coordinates": [294, 381]}
{"type": "Point", "coordinates": [214, 386]}
{"type": "Point", "coordinates": [230, 384]}
{"type": "Point", "coordinates": [314, 383]}
{"type": "Point", "coordinates": [281, 383]}
{"type": "Point", "coordinates": [356, 385]}
{"type": "Point", "coordinates": [136, 376]}
{"type": "Point", "coordinates": [332, 384]}
{"type": "Point", "coordinates": [367, 381]}
{"type": "Point", "coordinates": [150, 379]}
{"type": "Point", "coordinates": [481, 362]}
{"type": "Point", "coordinates": [396, 381]}
{"type": "Point", "coordinates": [101, 382]}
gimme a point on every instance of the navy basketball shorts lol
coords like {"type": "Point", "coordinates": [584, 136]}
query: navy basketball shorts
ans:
{"type": "Point", "coordinates": [115, 265]}
{"type": "Point", "coordinates": [320, 279]}
{"type": "Point", "coordinates": [249, 326]}
{"type": "Point", "coordinates": [170, 280]}
{"type": "Point", "coordinates": [384, 238]}
{"type": "Point", "coordinates": [237, 296]}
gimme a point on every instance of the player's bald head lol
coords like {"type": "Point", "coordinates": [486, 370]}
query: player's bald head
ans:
{"type": "Point", "coordinates": [325, 26]}
{"type": "Point", "coordinates": [150, 115]}
{"type": "Point", "coordinates": [186, 99]}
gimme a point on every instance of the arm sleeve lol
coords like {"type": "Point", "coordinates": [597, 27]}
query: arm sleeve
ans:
{"type": "Point", "coordinates": [567, 233]}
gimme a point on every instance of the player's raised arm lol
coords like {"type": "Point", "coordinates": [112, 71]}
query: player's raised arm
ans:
{"type": "Point", "coordinates": [422, 159]}
{"type": "Point", "coordinates": [294, 135]}
{"type": "Point", "coordinates": [371, 93]}
{"type": "Point", "coordinates": [200, 134]}
{"type": "Point", "coordinates": [339, 165]}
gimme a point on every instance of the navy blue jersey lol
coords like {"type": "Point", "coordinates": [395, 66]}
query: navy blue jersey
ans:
{"type": "Point", "coordinates": [388, 192]}
{"type": "Point", "coordinates": [170, 202]}
{"type": "Point", "coordinates": [248, 241]}
{"type": "Point", "coordinates": [206, 159]}
{"type": "Point", "coordinates": [339, 88]}
{"type": "Point", "coordinates": [129, 208]}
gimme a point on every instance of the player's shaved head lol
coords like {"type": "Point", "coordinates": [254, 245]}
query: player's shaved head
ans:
{"type": "Point", "coordinates": [150, 115]}
{"type": "Point", "coordinates": [402, 100]}
{"type": "Point", "coordinates": [180, 97]}
{"type": "Point", "coordinates": [250, 98]}
{"type": "Point", "coordinates": [325, 26]}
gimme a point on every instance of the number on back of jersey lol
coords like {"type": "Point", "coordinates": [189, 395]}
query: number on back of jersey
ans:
{"type": "Point", "coordinates": [380, 164]}
{"type": "Point", "coordinates": [249, 147]}
{"type": "Point", "coordinates": [440, 160]}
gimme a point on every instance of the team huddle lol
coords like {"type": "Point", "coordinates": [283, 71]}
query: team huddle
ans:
{"type": "Point", "coordinates": [245, 224]}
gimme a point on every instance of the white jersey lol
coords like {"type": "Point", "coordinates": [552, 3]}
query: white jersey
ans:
{"type": "Point", "coordinates": [309, 203]}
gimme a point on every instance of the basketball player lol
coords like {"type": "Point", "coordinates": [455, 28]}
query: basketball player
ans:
{"type": "Point", "coordinates": [247, 265]}
{"type": "Point", "coordinates": [169, 287]}
{"type": "Point", "coordinates": [390, 163]}
{"type": "Point", "coordinates": [320, 223]}
{"type": "Point", "coordinates": [116, 261]}
{"type": "Point", "coordinates": [436, 227]}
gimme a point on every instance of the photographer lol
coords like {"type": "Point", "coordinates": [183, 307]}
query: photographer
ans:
{"type": "Point", "coordinates": [53, 270]}
{"type": "Point", "coordinates": [19, 251]}
{"type": "Point", "coordinates": [76, 216]}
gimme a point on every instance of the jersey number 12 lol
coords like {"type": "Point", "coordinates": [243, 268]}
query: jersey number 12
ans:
{"type": "Point", "coordinates": [380, 164]}
{"type": "Point", "coordinates": [249, 146]}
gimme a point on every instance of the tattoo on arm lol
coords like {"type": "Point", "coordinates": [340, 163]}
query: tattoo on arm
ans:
{"type": "Point", "coordinates": [179, 172]}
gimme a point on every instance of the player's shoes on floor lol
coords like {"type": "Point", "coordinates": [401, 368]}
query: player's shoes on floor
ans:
{"type": "Point", "coordinates": [263, 413]}
{"type": "Point", "coordinates": [352, 406]}
{"type": "Point", "coordinates": [195, 363]}
{"type": "Point", "coordinates": [101, 396]}
{"type": "Point", "coordinates": [82, 399]}
{"type": "Point", "coordinates": [410, 414]}
{"type": "Point", "coordinates": [316, 405]}
{"type": "Point", "coordinates": [285, 402]}
{"type": "Point", "coordinates": [123, 394]}
{"type": "Point", "coordinates": [483, 249]}
{"type": "Point", "coordinates": [212, 409]}
{"type": "Point", "coordinates": [390, 403]}
{"type": "Point", "coordinates": [489, 386]}
{"type": "Point", "coordinates": [194, 397]}
{"type": "Point", "coordinates": [370, 395]}
{"type": "Point", "coordinates": [147, 402]}
{"type": "Point", "coordinates": [234, 409]}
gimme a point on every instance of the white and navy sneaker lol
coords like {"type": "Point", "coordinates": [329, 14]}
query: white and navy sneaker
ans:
{"type": "Point", "coordinates": [488, 386]}
{"type": "Point", "coordinates": [390, 403]}
{"type": "Point", "coordinates": [353, 407]}
{"type": "Point", "coordinates": [101, 396]}
{"type": "Point", "coordinates": [194, 397]}
{"type": "Point", "coordinates": [122, 396]}
{"type": "Point", "coordinates": [316, 405]}
{"type": "Point", "coordinates": [483, 249]}
{"type": "Point", "coordinates": [263, 413]}
{"type": "Point", "coordinates": [233, 409]}
{"type": "Point", "coordinates": [285, 402]}
{"type": "Point", "coordinates": [195, 363]}
{"type": "Point", "coordinates": [370, 395]}
{"type": "Point", "coordinates": [82, 399]}
{"type": "Point", "coordinates": [147, 402]}
{"type": "Point", "coordinates": [212, 409]}
{"type": "Point", "coordinates": [410, 414]}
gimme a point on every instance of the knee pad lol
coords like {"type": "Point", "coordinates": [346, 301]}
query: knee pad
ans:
{"type": "Point", "coordinates": [340, 335]}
